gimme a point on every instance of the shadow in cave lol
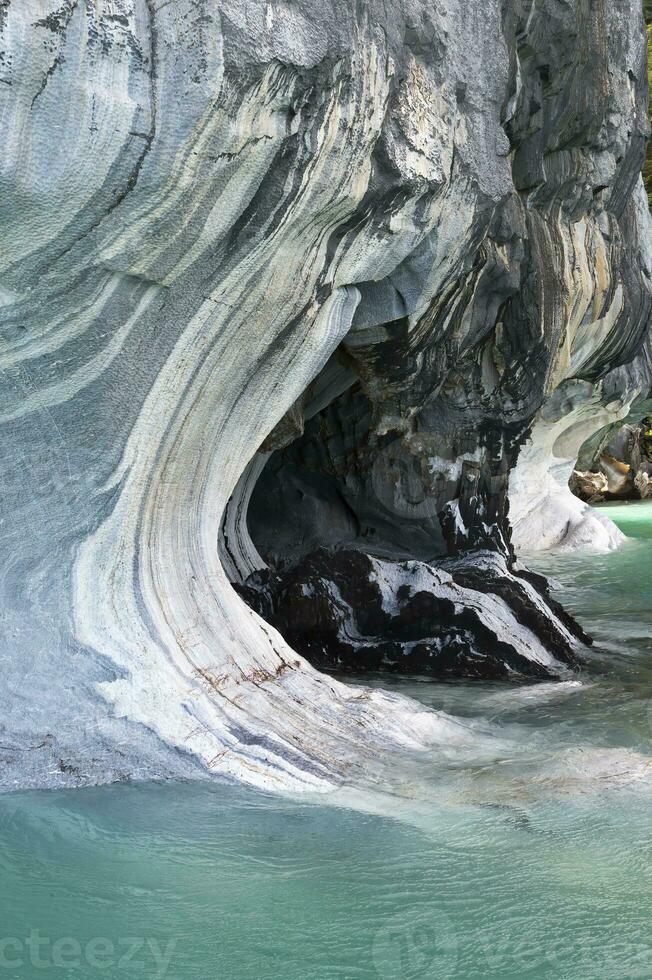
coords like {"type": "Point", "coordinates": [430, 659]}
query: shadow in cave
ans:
{"type": "Point", "coordinates": [336, 539]}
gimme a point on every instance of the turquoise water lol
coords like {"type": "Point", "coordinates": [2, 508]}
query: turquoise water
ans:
{"type": "Point", "coordinates": [523, 850]}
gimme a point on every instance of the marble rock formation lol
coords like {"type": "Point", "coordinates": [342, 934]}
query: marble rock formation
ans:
{"type": "Point", "coordinates": [619, 464]}
{"type": "Point", "coordinates": [467, 617]}
{"type": "Point", "coordinates": [589, 486]}
{"type": "Point", "coordinates": [643, 485]}
{"type": "Point", "coordinates": [619, 476]}
{"type": "Point", "coordinates": [284, 276]}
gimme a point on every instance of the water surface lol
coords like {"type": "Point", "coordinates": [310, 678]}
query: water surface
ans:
{"type": "Point", "coordinates": [521, 849]}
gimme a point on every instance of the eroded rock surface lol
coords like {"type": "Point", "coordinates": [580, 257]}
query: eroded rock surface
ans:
{"type": "Point", "coordinates": [589, 486]}
{"type": "Point", "coordinates": [397, 246]}
{"type": "Point", "coordinates": [468, 617]}
{"type": "Point", "coordinates": [619, 461]}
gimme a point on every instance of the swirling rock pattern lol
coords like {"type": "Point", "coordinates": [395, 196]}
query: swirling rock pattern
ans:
{"type": "Point", "coordinates": [466, 617]}
{"type": "Point", "coordinates": [201, 203]}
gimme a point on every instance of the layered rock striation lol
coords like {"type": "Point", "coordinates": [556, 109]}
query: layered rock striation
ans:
{"type": "Point", "coordinates": [280, 277]}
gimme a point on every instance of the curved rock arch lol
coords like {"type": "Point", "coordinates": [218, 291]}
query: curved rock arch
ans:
{"type": "Point", "coordinates": [200, 206]}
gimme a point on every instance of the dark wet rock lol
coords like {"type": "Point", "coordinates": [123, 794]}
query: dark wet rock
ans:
{"type": "Point", "coordinates": [469, 617]}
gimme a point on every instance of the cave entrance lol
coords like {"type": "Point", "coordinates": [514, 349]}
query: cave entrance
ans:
{"type": "Point", "coordinates": [334, 536]}
{"type": "Point", "coordinates": [339, 484]}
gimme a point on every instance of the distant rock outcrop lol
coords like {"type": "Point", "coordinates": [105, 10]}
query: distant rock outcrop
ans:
{"type": "Point", "coordinates": [620, 465]}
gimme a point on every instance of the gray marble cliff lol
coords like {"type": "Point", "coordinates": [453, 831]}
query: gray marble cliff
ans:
{"type": "Point", "coordinates": [338, 286]}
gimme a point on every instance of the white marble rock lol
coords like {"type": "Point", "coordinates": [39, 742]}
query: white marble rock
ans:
{"type": "Point", "coordinates": [199, 202]}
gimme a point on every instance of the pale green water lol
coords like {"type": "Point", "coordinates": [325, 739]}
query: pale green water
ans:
{"type": "Point", "coordinates": [526, 852]}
